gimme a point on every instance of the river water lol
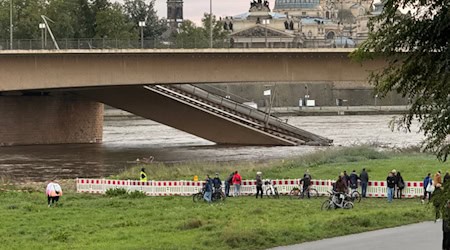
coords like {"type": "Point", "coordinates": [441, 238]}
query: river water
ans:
{"type": "Point", "coordinates": [127, 138]}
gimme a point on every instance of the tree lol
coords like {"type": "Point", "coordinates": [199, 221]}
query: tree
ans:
{"type": "Point", "coordinates": [416, 48]}
{"type": "Point", "coordinates": [191, 36]}
{"type": "Point", "coordinates": [139, 10]}
{"type": "Point", "coordinates": [63, 13]}
{"type": "Point", "coordinates": [219, 35]}
{"type": "Point", "coordinates": [113, 24]}
{"type": "Point", "coordinates": [26, 18]}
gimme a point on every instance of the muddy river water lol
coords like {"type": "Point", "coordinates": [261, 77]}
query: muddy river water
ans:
{"type": "Point", "coordinates": [127, 138]}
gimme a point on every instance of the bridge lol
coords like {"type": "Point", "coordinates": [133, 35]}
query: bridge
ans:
{"type": "Point", "coordinates": [50, 96]}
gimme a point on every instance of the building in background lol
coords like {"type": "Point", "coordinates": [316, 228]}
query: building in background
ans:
{"type": "Point", "coordinates": [302, 24]}
{"type": "Point", "coordinates": [174, 14]}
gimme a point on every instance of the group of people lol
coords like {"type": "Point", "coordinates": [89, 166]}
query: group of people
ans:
{"type": "Point", "coordinates": [431, 184]}
{"type": "Point", "coordinates": [395, 185]}
{"type": "Point", "coordinates": [234, 179]}
{"type": "Point", "coordinates": [346, 182]}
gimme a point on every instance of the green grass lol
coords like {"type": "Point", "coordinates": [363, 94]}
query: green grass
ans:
{"type": "Point", "coordinates": [325, 164]}
{"type": "Point", "coordinates": [100, 222]}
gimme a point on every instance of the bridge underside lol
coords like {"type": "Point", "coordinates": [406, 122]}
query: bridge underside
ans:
{"type": "Point", "coordinates": [77, 116]}
{"type": "Point", "coordinates": [150, 105]}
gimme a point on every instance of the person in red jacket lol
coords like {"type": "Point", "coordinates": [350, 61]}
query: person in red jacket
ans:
{"type": "Point", "coordinates": [237, 180]}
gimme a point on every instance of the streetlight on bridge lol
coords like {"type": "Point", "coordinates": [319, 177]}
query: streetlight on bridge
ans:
{"type": "Point", "coordinates": [142, 25]}
{"type": "Point", "coordinates": [11, 24]}
{"type": "Point", "coordinates": [42, 27]}
{"type": "Point", "coordinates": [210, 25]}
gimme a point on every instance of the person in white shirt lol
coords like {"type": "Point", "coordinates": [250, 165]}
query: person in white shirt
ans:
{"type": "Point", "coordinates": [53, 192]}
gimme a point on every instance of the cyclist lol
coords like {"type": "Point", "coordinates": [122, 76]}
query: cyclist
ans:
{"type": "Point", "coordinates": [306, 181]}
{"type": "Point", "coordinates": [341, 188]}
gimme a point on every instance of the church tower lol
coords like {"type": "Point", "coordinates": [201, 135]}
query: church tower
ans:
{"type": "Point", "coordinates": [174, 13]}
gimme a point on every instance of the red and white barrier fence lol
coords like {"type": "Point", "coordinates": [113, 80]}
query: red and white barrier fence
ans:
{"type": "Point", "coordinates": [248, 187]}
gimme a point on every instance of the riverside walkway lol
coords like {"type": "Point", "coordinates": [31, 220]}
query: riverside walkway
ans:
{"type": "Point", "coordinates": [420, 236]}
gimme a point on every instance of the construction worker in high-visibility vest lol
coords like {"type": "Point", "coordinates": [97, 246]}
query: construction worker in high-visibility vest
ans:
{"type": "Point", "coordinates": [143, 175]}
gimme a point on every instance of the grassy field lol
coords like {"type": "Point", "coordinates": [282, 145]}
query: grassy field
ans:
{"type": "Point", "coordinates": [100, 222]}
{"type": "Point", "coordinates": [325, 164]}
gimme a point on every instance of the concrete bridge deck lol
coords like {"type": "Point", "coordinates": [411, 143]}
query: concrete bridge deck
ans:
{"type": "Point", "coordinates": [64, 69]}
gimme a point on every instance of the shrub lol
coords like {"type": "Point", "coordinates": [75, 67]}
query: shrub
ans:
{"type": "Point", "coordinates": [136, 194]}
{"type": "Point", "coordinates": [112, 192]}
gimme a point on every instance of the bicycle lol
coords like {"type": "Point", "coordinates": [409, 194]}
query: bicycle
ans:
{"type": "Point", "coordinates": [217, 195]}
{"type": "Point", "coordinates": [198, 196]}
{"type": "Point", "coordinates": [337, 200]}
{"type": "Point", "coordinates": [355, 196]}
{"type": "Point", "coordinates": [271, 190]}
{"type": "Point", "coordinates": [297, 193]}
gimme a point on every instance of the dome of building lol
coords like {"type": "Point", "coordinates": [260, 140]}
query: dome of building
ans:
{"type": "Point", "coordinates": [296, 4]}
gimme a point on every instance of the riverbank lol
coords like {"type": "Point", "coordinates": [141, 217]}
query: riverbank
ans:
{"type": "Point", "coordinates": [339, 110]}
{"type": "Point", "coordinates": [305, 111]}
{"type": "Point", "coordinates": [83, 221]}
{"type": "Point", "coordinates": [323, 164]}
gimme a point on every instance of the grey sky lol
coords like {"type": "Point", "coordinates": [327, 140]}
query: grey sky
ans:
{"type": "Point", "coordinates": [194, 9]}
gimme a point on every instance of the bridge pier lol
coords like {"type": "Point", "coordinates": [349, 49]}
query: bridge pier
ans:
{"type": "Point", "coordinates": [48, 119]}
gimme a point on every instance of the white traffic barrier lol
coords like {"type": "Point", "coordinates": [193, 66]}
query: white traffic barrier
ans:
{"type": "Point", "coordinates": [248, 187]}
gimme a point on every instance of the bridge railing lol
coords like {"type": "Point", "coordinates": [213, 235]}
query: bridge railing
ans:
{"type": "Point", "coordinates": [413, 189]}
{"type": "Point", "coordinates": [99, 43]}
{"type": "Point", "coordinates": [251, 112]}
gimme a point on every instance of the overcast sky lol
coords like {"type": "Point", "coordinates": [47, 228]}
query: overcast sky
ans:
{"type": "Point", "coordinates": [194, 9]}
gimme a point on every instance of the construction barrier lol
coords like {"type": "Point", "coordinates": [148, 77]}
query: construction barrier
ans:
{"type": "Point", "coordinates": [185, 188]}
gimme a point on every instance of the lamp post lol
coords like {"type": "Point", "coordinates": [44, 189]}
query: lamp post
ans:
{"type": "Point", "coordinates": [42, 27]}
{"type": "Point", "coordinates": [10, 24]}
{"type": "Point", "coordinates": [142, 25]}
{"type": "Point", "coordinates": [210, 25]}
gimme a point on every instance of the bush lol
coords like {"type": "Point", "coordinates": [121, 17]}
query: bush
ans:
{"type": "Point", "coordinates": [113, 192]}
{"type": "Point", "coordinates": [122, 192]}
{"type": "Point", "coordinates": [136, 194]}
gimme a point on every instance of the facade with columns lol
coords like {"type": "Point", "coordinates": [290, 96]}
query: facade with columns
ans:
{"type": "Point", "coordinates": [302, 24]}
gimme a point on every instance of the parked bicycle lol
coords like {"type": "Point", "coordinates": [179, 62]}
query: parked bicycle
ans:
{"type": "Point", "coordinates": [217, 195]}
{"type": "Point", "coordinates": [309, 192]}
{"type": "Point", "coordinates": [355, 196]}
{"type": "Point", "coordinates": [337, 200]}
{"type": "Point", "coordinates": [271, 190]}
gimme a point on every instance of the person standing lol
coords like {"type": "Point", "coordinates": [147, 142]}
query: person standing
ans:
{"type": "Point", "coordinates": [364, 177]}
{"type": "Point", "coordinates": [427, 181]}
{"type": "Point", "coordinates": [228, 183]}
{"type": "Point", "coordinates": [208, 189]}
{"type": "Point", "coordinates": [446, 177]}
{"type": "Point", "coordinates": [353, 179]}
{"type": "Point", "coordinates": [346, 178]}
{"type": "Point", "coordinates": [53, 191]}
{"type": "Point", "coordinates": [259, 184]}
{"type": "Point", "coordinates": [446, 228]}
{"type": "Point", "coordinates": [306, 181]}
{"type": "Point", "coordinates": [390, 180]}
{"type": "Point", "coordinates": [143, 175]}
{"type": "Point", "coordinates": [237, 180]}
{"type": "Point", "coordinates": [217, 183]}
{"type": "Point", "coordinates": [437, 178]}
{"type": "Point", "coordinates": [400, 185]}
{"type": "Point", "coordinates": [394, 173]}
